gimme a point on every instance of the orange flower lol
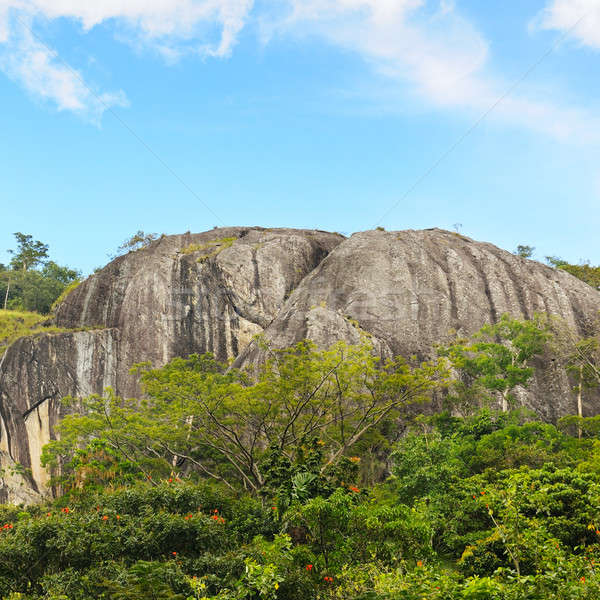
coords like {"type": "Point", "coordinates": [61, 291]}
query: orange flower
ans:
{"type": "Point", "coordinates": [309, 567]}
{"type": "Point", "coordinates": [174, 553]}
{"type": "Point", "coordinates": [419, 563]}
{"type": "Point", "coordinates": [105, 518]}
{"type": "Point", "coordinates": [354, 489]}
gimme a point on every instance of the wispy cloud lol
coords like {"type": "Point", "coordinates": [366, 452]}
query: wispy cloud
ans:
{"type": "Point", "coordinates": [424, 46]}
{"type": "Point", "coordinates": [34, 66]}
{"type": "Point", "coordinates": [206, 27]}
{"type": "Point", "coordinates": [442, 57]}
{"type": "Point", "coordinates": [580, 19]}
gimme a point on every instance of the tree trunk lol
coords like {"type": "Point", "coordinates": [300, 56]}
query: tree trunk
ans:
{"type": "Point", "coordinates": [580, 399]}
{"type": "Point", "coordinates": [505, 401]}
{"type": "Point", "coordinates": [6, 296]}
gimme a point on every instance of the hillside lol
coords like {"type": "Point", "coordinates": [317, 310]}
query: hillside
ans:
{"type": "Point", "coordinates": [215, 291]}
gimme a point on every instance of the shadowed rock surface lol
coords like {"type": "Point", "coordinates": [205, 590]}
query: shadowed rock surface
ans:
{"type": "Point", "coordinates": [214, 291]}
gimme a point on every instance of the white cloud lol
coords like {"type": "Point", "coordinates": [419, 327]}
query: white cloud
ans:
{"type": "Point", "coordinates": [425, 46]}
{"type": "Point", "coordinates": [163, 21]}
{"type": "Point", "coordinates": [579, 19]}
{"type": "Point", "coordinates": [440, 54]}
{"type": "Point", "coordinates": [34, 66]}
{"type": "Point", "coordinates": [169, 27]}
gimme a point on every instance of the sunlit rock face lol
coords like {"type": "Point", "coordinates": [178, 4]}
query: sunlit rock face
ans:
{"type": "Point", "coordinates": [413, 289]}
{"type": "Point", "coordinates": [214, 291]}
{"type": "Point", "coordinates": [207, 292]}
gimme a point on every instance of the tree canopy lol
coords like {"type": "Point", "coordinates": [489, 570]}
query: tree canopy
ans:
{"type": "Point", "coordinates": [197, 416]}
{"type": "Point", "coordinates": [32, 282]}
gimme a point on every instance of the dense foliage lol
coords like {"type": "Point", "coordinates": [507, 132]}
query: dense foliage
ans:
{"type": "Point", "coordinates": [32, 282]}
{"type": "Point", "coordinates": [318, 477]}
{"type": "Point", "coordinates": [495, 505]}
{"type": "Point", "coordinates": [228, 425]}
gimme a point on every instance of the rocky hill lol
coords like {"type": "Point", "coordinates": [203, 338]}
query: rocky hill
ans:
{"type": "Point", "coordinates": [215, 291]}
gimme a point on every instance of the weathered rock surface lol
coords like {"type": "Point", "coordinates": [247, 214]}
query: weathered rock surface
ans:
{"type": "Point", "coordinates": [214, 291]}
{"type": "Point", "coordinates": [35, 374]}
{"type": "Point", "coordinates": [207, 292]}
{"type": "Point", "coordinates": [412, 289]}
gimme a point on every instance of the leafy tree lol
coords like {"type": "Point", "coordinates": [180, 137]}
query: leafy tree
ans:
{"type": "Point", "coordinates": [29, 252]}
{"type": "Point", "coordinates": [498, 357]}
{"type": "Point", "coordinates": [525, 251]}
{"type": "Point", "coordinates": [225, 424]}
{"type": "Point", "coordinates": [138, 240]}
{"type": "Point", "coordinates": [34, 290]}
{"type": "Point", "coordinates": [578, 354]}
{"type": "Point", "coordinates": [33, 283]}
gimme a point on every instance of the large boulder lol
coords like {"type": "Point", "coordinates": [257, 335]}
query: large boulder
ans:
{"type": "Point", "coordinates": [214, 291]}
{"type": "Point", "coordinates": [413, 289]}
{"type": "Point", "coordinates": [206, 292]}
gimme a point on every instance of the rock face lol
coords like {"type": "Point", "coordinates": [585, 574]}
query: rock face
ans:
{"type": "Point", "coordinates": [215, 291]}
{"type": "Point", "coordinates": [413, 289]}
{"type": "Point", "coordinates": [207, 292]}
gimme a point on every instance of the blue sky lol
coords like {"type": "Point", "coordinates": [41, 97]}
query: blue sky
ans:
{"type": "Point", "coordinates": [300, 113]}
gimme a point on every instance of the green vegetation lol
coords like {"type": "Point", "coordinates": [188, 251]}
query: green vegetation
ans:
{"type": "Point", "coordinates": [525, 251]}
{"type": "Point", "coordinates": [294, 483]}
{"type": "Point", "coordinates": [31, 286]}
{"type": "Point", "coordinates": [231, 427]}
{"type": "Point", "coordinates": [15, 324]}
{"type": "Point", "coordinates": [583, 271]}
{"type": "Point", "coordinates": [32, 282]}
{"type": "Point", "coordinates": [137, 241]}
{"type": "Point", "coordinates": [73, 285]}
{"type": "Point", "coordinates": [210, 249]}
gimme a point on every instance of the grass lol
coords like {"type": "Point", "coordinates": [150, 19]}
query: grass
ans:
{"type": "Point", "coordinates": [210, 249]}
{"type": "Point", "coordinates": [15, 324]}
{"type": "Point", "coordinates": [65, 293]}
